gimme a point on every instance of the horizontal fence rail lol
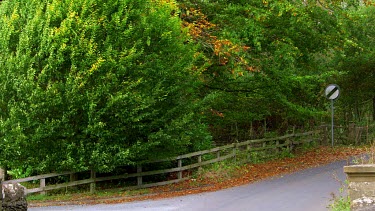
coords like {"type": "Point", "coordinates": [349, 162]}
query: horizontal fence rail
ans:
{"type": "Point", "coordinates": [218, 154]}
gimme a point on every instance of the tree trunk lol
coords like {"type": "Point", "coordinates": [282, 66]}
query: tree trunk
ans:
{"type": "Point", "coordinates": [357, 112]}
{"type": "Point", "coordinates": [373, 109]}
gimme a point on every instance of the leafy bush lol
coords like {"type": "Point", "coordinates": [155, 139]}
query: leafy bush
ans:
{"type": "Point", "coordinates": [340, 204]}
{"type": "Point", "coordinates": [95, 84]}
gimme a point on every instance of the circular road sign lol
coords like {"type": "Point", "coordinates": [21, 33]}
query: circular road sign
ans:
{"type": "Point", "coordinates": [332, 91]}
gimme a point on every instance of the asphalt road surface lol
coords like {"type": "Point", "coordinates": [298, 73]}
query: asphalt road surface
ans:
{"type": "Point", "coordinates": [308, 190]}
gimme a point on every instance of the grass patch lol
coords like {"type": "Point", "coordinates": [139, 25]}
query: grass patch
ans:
{"type": "Point", "coordinates": [221, 170]}
{"type": "Point", "coordinates": [341, 203]}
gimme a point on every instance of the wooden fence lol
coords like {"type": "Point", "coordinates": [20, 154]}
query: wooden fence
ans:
{"type": "Point", "coordinates": [239, 152]}
{"type": "Point", "coordinates": [350, 134]}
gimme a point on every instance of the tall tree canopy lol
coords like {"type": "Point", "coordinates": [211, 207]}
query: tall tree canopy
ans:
{"type": "Point", "coordinates": [94, 84]}
{"type": "Point", "coordinates": [355, 61]}
{"type": "Point", "coordinates": [267, 60]}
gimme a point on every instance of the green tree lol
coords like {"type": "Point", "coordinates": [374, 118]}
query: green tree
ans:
{"type": "Point", "coordinates": [88, 84]}
{"type": "Point", "coordinates": [267, 61]}
{"type": "Point", "coordinates": [355, 61]}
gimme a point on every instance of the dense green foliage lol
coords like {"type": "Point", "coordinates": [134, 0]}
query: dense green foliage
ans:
{"type": "Point", "coordinates": [98, 84]}
{"type": "Point", "coordinates": [268, 63]}
{"type": "Point", "coordinates": [356, 63]}
{"type": "Point", "coordinates": [95, 84]}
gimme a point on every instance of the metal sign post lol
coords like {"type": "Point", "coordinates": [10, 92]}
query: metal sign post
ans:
{"type": "Point", "coordinates": [332, 111]}
{"type": "Point", "coordinates": [332, 92]}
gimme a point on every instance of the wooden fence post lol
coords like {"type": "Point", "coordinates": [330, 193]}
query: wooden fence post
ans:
{"type": "Point", "coordinates": [325, 136]}
{"type": "Point", "coordinates": [288, 144]}
{"type": "Point", "coordinates": [93, 184]}
{"type": "Point", "coordinates": [367, 138]}
{"type": "Point", "coordinates": [139, 178]}
{"type": "Point", "coordinates": [235, 152]}
{"type": "Point", "coordinates": [277, 147]}
{"type": "Point", "coordinates": [179, 174]}
{"type": "Point", "coordinates": [248, 152]}
{"type": "Point", "coordinates": [42, 185]}
{"type": "Point", "coordinates": [72, 178]}
{"type": "Point", "coordinates": [199, 161]}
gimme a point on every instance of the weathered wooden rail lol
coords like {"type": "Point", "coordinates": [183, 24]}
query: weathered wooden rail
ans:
{"type": "Point", "coordinates": [195, 159]}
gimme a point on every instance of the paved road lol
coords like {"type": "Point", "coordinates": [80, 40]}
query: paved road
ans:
{"type": "Point", "coordinates": [308, 190]}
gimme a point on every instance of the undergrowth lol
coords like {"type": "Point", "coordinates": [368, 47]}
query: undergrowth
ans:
{"type": "Point", "coordinates": [340, 203]}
